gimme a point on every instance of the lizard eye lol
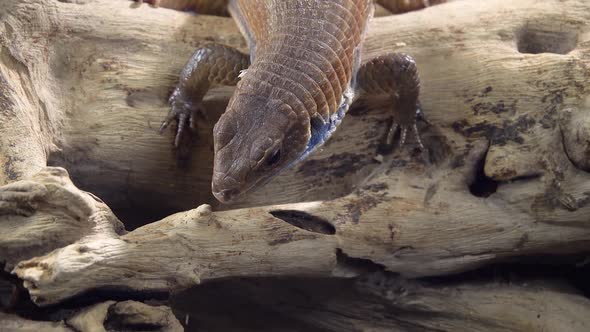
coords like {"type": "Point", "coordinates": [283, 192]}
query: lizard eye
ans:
{"type": "Point", "coordinates": [274, 158]}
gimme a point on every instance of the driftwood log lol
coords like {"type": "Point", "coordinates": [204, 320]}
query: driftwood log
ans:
{"type": "Point", "coordinates": [83, 87]}
{"type": "Point", "coordinates": [380, 302]}
{"type": "Point", "coordinates": [110, 315]}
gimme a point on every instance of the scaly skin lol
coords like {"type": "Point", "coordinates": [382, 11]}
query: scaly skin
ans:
{"type": "Point", "coordinates": [217, 7]}
{"type": "Point", "coordinates": [268, 123]}
{"type": "Point", "coordinates": [395, 75]}
{"type": "Point", "coordinates": [211, 7]}
{"type": "Point", "coordinates": [403, 6]}
{"type": "Point", "coordinates": [303, 77]}
{"type": "Point", "coordinates": [212, 64]}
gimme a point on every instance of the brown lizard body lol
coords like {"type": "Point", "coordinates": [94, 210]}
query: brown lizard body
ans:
{"type": "Point", "coordinates": [304, 72]}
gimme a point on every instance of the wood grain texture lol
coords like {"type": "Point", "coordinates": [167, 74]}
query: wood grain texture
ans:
{"type": "Point", "coordinates": [374, 224]}
{"type": "Point", "coordinates": [385, 303]}
{"type": "Point", "coordinates": [101, 317]}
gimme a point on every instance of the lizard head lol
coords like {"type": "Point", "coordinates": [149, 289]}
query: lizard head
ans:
{"type": "Point", "coordinates": [253, 140]}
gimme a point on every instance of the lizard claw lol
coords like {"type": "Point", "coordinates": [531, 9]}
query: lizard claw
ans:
{"type": "Point", "coordinates": [155, 3]}
{"type": "Point", "coordinates": [420, 116]}
{"type": "Point", "coordinates": [185, 116]}
{"type": "Point", "coordinates": [404, 127]}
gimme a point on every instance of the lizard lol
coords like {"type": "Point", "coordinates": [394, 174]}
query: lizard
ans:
{"type": "Point", "coordinates": [303, 72]}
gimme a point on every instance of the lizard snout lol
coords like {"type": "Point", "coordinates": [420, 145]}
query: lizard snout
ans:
{"type": "Point", "coordinates": [225, 195]}
{"type": "Point", "coordinates": [224, 188]}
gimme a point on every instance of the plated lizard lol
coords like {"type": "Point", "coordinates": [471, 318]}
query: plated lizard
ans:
{"type": "Point", "coordinates": [293, 89]}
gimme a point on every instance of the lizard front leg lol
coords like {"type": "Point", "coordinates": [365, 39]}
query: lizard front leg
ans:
{"type": "Point", "coordinates": [403, 6]}
{"type": "Point", "coordinates": [210, 7]}
{"type": "Point", "coordinates": [396, 76]}
{"type": "Point", "coordinates": [212, 64]}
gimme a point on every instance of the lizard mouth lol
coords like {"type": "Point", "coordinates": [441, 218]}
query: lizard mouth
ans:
{"type": "Point", "coordinates": [226, 195]}
{"type": "Point", "coordinates": [226, 189]}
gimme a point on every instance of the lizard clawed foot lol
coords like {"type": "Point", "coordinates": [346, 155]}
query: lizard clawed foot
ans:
{"type": "Point", "coordinates": [155, 3]}
{"type": "Point", "coordinates": [185, 114]}
{"type": "Point", "coordinates": [404, 127]}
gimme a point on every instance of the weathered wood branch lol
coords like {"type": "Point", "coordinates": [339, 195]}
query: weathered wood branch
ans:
{"type": "Point", "coordinates": [376, 302]}
{"type": "Point", "coordinates": [379, 302]}
{"type": "Point", "coordinates": [190, 247]}
{"type": "Point", "coordinates": [124, 316]}
{"type": "Point", "coordinates": [107, 316]}
{"type": "Point", "coordinates": [15, 323]}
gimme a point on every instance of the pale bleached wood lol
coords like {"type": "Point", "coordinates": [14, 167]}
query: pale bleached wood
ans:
{"type": "Point", "coordinates": [188, 248]}
{"type": "Point", "coordinates": [386, 303]}
{"type": "Point", "coordinates": [176, 253]}
{"type": "Point", "coordinates": [10, 323]}
{"type": "Point", "coordinates": [91, 318]}
{"type": "Point", "coordinates": [48, 212]}
{"type": "Point", "coordinates": [127, 316]}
